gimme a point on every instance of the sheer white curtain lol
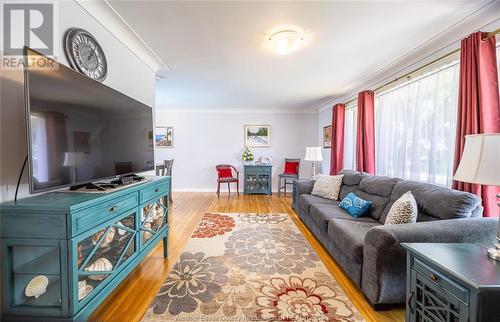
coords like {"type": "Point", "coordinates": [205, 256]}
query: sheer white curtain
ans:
{"type": "Point", "coordinates": [415, 127]}
{"type": "Point", "coordinates": [350, 126]}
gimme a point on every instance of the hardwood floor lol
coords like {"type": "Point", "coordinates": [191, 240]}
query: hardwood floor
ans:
{"type": "Point", "coordinates": [130, 300]}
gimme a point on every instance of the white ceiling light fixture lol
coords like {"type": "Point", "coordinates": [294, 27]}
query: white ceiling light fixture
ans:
{"type": "Point", "coordinates": [285, 41]}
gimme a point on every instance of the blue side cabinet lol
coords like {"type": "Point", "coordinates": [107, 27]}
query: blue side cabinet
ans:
{"type": "Point", "coordinates": [258, 179]}
{"type": "Point", "coordinates": [63, 253]}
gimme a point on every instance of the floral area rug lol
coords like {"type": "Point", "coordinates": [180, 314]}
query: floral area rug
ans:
{"type": "Point", "coordinates": [250, 267]}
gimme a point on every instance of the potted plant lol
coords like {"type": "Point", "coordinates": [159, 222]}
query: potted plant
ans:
{"type": "Point", "coordinates": [247, 156]}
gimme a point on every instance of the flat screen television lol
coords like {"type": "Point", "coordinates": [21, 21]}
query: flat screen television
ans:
{"type": "Point", "coordinates": [79, 130]}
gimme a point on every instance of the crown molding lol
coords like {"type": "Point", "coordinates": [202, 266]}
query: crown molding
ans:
{"type": "Point", "coordinates": [160, 109]}
{"type": "Point", "coordinates": [111, 20]}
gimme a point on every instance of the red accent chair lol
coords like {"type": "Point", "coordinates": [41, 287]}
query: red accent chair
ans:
{"type": "Point", "coordinates": [225, 175]}
{"type": "Point", "coordinates": [291, 172]}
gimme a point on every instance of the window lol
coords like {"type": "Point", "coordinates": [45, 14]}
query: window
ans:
{"type": "Point", "coordinates": [350, 127]}
{"type": "Point", "coordinates": [415, 127]}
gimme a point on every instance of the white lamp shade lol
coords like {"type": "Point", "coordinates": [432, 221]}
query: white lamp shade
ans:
{"type": "Point", "coordinates": [480, 163]}
{"type": "Point", "coordinates": [313, 154]}
{"type": "Point", "coordinates": [74, 159]}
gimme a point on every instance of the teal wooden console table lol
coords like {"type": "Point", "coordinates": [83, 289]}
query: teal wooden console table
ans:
{"type": "Point", "coordinates": [80, 245]}
{"type": "Point", "coordinates": [451, 282]}
{"type": "Point", "coordinates": [258, 179]}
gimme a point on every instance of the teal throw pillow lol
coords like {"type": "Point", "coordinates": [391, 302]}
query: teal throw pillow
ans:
{"type": "Point", "coordinates": [354, 205]}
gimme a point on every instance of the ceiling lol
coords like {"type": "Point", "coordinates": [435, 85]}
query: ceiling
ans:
{"type": "Point", "coordinates": [217, 58]}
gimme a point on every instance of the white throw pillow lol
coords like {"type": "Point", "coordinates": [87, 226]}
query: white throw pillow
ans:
{"type": "Point", "coordinates": [403, 211]}
{"type": "Point", "coordinates": [327, 186]}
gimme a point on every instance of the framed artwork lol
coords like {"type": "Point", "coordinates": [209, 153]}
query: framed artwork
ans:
{"type": "Point", "coordinates": [257, 136]}
{"type": "Point", "coordinates": [149, 139]}
{"type": "Point", "coordinates": [81, 141]}
{"type": "Point", "coordinates": [327, 137]}
{"type": "Point", "coordinates": [164, 137]}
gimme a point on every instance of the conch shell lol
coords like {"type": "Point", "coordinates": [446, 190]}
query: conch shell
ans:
{"type": "Point", "coordinates": [100, 265]}
{"type": "Point", "coordinates": [37, 286]}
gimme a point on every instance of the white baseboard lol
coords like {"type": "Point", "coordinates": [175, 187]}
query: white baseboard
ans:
{"type": "Point", "coordinates": [210, 190]}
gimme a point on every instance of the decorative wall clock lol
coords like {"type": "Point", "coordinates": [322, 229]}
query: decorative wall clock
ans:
{"type": "Point", "coordinates": [85, 54]}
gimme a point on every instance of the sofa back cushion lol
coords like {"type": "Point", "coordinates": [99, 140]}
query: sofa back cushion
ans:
{"type": "Point", "coordinates": [435, 202]}
{"type": "Point", "coordinates": [351, 177]}
{"type": "Point", "coordinates": [350, 182]}
{"type": "Point", "coordinates": [376, 189]}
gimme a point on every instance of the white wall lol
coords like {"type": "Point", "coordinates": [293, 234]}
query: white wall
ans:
{"type": "Point", "coordinates": [204, 139]}
{"type": "Point", "coordinates": [324, 119]}
{"type": "Point", "coordinates": [126, 73]}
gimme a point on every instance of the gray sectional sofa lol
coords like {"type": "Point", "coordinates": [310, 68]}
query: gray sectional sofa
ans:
{"type": "Point", "coordinates": [370, 252]}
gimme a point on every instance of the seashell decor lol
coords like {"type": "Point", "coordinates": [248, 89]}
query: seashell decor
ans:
{"type": "Point", "coordinates": [37, 286]}
{"type": "Point", "coordinates": [109, 237]}
{"type": "Point", "coordinates": [100, 265]}
{"type": "Point", "coordinates": [107, 240]}
{"type": "Point", "coordinates": [83, 289]}
{"type": "Point", "coordinates": [121, 232]}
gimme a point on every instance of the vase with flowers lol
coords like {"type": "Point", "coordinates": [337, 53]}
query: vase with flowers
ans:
{"type": "Point", "coordinates": [247, 156]}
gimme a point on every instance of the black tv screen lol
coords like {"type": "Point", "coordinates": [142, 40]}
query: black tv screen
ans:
{"type": "Point", "coordinates": [80, 130]}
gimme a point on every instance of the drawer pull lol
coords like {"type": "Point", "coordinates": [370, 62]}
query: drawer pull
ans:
{"type": "Point", "coordinates": [433, 277]}
{"type": "Point", "coordinates": [409, 302]}
{"type": "Point", "coordinates": [157, 189]}
{"type": "Point", "coordinates": [112, 209]}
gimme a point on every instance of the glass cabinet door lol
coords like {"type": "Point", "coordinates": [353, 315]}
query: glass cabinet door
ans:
{"type": "Point", "coordinates": [153, 218]}
{"type": "Point", "coordinates": [102, 253]}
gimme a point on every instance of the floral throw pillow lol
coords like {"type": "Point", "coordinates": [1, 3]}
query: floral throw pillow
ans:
{"type": "Point", "coordinates": [403, 211]}
{"type": "Point", "coordinates": [327, 186]}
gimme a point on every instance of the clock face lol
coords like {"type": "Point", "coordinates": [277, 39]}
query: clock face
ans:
{"type": "Point", "coordinates": [85, 55]}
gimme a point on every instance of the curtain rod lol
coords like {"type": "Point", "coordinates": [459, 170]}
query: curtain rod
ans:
{"type": "Point", "coordinates": [484, 37]}
{"type": "Point", "coordinates": [490, 34]}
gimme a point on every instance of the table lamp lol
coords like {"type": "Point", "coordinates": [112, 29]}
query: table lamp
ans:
{"type": "Point", "coordinates": [74, 160]}
{"type": "Point", "coordinates": [313, 154]}
{"type": "Point", "coordinates": [480, 165]}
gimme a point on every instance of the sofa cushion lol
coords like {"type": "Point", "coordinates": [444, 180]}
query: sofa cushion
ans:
{"type": "Point", "coordinates": [351, 177]}
{"type": "Point", "coordinates": [345, 190]}
{"type": "Point", "coordinates": [323, 213]}
{"type": "Point", "coordinates": [378, 203]}
{"type": "Point", "coordinates": [434, 201]}
{"type": "Point", "coordinates": [349, 235]}
{"type": "Point", "coordinates": [378, 185]}
{"type": "Point", "coordinates": [305, 202]}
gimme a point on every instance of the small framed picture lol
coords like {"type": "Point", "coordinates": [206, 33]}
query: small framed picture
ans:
{"type": "Point", "coordinates": [164, 137]}
{"type": "Point", "coordinates": [327, 137]}
{"type": "Point", "coordinates": [149, 137]}
{"type": "Point", "coordinates": [266, 160]}
{"type": "Point", "coordinates": [257, 136]}
{"type": "Point", "coordinates": [81, 141]}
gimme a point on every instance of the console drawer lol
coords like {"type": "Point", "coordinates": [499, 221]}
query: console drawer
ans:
{"type": "Point", "coordinates": [93, 216]}
{"type": "Point", "coordinates": [441, 280]}
{"type": "Point", "coordinates": [152, 192]}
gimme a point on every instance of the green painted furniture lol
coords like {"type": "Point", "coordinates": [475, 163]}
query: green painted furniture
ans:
{"type": "Point", "coordinates": [451, 282]}
{"type": "Point", "coordinates": [79, 241]}
{"type": "Point", "coordinates": [258, 179]}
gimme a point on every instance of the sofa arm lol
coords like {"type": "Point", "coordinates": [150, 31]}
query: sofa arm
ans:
{"type": "Point", "coordinates": [301, 187]}
{"type": "Point", "coordinates": [384, 259]}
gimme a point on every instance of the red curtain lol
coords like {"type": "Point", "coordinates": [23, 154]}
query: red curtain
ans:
{"type": "Point", "coordinates": [365, 138]}
{"type": "Point", "coordinates": [478, 106]}
{"type": "Point", "coordinates": [337, 156]}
